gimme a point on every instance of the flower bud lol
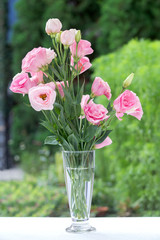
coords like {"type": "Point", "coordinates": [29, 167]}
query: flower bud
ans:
{"type": "Point", "coordinates": [68, 37]}
{"type": "Point", "coordinates": [78, 36]}
{"type": "Point", "coordinates": [53, 26]}
{"type": "Point", "coordinates": [58, 37]}
{"type": "Point", "coordinates": [127, 82]}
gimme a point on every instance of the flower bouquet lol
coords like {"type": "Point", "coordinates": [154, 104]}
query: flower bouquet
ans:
{"type": "Point", "coordinates": [50, 77]}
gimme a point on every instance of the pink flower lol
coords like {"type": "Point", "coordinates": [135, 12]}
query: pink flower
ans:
{"type": "Point", "coordinates": [50, 55]}
{"type": "Point", "coordinates": [51, 85]}
{"type": "Point", "coordinates": [84, 101]}
{"type": "Point", "coordinates": [106, 142]}
{"type": "Point", "coordinates": [42, 97]}
{"type": "Point", "coordinates": [37, 77]}
{"type": "Point", "coordinates": [60, 89]}
{"type": "Point", "coordinates": [100, 87]}
{"type": "Point", "coordinates": [21, 83]}
{"type": "Point", "coordinates": [37, 58]}
{"type": "Point", "coordinates": [95, 113]}
{"type": "Point", "coordinates": [128, 103]}
{"type": "Point", "coordinates": [53, 25]}
{"type": "Point", "coordinates": [68, 37]}
{"type": "Point", "coordinates": [84, 48]}
{"type": "Point", "coordinates": [83, 64]}
{"type": "Point", "coordinates": [74, 31]}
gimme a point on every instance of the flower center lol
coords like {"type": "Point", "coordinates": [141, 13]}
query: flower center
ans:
{"type": "Point", "coordinates": [43, 96]}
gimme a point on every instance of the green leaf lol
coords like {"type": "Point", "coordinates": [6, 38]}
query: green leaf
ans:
{"type": "Point", "coordinates": [45, 78]}
{"type": "Point", "coordinates": [68, 130]}
{"type": "Point", "coordinates": [98, 132]}
{"type": "Point", "coordinates": [56, 73]}
{"type": "Point", "coordinates": [80, 93]}
{"type": "Point", "coordinates": [68, 109]}
{"type": "Point", "coordinates": [57, 105]}
{"type": "Point", "coordinates": [88, 146]}
{"type": "Point", "coordinates": [73, 141]}
{"type": "Point", "coordinates": [109, 107]}
{"type": "Point", "coordinates": [48, 126]}
{"type": "Point", "coordinates": [103, 137]}
{"type": "Point", "coordinates": [57, 108]}
{"type": "Point", "coordinates": [72, 126]}
{"type": "Point", "coordinates": [68, 103]}
{"type": "Point", "coordinates": [67, 95]}
{"type": "Point", "coordinates": [62, 118]}
{"type": "Point", "coordinates": [51, 140]}
{"type": "Point", "coordinates": [66, 146]}
{"type": "Point", "coordinates": [78, 110]}
{"type": "Point", "coordinates": [90, 133]}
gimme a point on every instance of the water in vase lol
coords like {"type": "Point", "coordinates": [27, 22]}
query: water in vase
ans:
{"type": "Point", "coordinates": [79, 182]}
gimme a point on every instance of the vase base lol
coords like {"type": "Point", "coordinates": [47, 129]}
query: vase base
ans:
{"type": "Point", "coordinates": [80, 228]}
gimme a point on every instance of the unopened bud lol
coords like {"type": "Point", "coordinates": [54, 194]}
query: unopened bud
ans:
{"type": "Point", "coordinates": [53, 26]}
{"type": "Point", "coordinates": [127, 82]}
{"type": "Point", "coordinates": [78, 36]}
{"type": "Point", "coordinates": [58, 37]}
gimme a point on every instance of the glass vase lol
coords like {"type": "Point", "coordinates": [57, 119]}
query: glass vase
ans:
{"type": "Point", "coordinates": [79, 177]}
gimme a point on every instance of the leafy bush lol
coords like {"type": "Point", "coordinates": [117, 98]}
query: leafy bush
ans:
{"type": "Point", "coordinates": [131, 164]}
{"type": "Point", "coordinates": [120, 21]}
{"type": "Point", "coordinates": [32, 197]}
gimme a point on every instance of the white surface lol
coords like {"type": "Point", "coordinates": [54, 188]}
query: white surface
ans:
{"type": "Point", "coordinates": [54, 229]}
{"type": "Point", "coordinates": [11, 174]}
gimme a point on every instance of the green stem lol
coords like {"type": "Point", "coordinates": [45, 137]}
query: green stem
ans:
{"type": "Point", "coordinates": [61, 52]}
{"type": "Point", "coordinates": [57, 50]}
{"type": "Point", "coordinates": [80, 126]}
{"type": "Point", "coordinates": [45, 115]}
{"type": "Point", "coordinates": [50, 77]}
{"type": "Point", "coordinates": [56, 120]}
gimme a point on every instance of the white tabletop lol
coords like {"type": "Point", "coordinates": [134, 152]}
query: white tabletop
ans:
{"type": "Point", "coordinates": [54, 229]}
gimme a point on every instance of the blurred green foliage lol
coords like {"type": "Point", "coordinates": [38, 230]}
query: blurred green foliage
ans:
{"type": "Point", "coordinates": [108, 24]}
{"type": "Point", "coordinates": [42, 191]}
{"type": "Point", "coordinates": [32, 197]}
{"type": "Point", "coordinates": [120, 21]}
{"type": "Point", "coordinates": [131, 164]}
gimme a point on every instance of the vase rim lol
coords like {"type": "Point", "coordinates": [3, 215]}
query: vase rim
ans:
{"type": "Point", "coordinates": [79, 151]}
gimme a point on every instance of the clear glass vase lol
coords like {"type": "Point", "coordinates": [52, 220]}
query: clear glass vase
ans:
{"type": "Point", "coordinates": [79, 177]}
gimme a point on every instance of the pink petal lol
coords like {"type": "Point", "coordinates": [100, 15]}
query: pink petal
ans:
{"type": "Point", "coordinates": [106, 142]}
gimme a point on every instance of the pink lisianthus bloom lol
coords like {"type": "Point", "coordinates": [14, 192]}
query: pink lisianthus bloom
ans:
{"type": "Point", "coordinates": [51, 85]}
{"type": "Point", "coordinates": [37, 77]}
{"type": "Point", "coordinates": [60, 88]}
{"type": "Point", "coordinates": [53, 25]}
{"type": "Point", "coordinates": [74, 31]}
{"type": "Point", "coordinates": [21, 83]}
{"type": "Point", "coordinates": [83, 64]}
{"type": "Point", "coordinates": [128, 103]}
{"type": "Point", "coordinates": [42, 97]}
{"type": "Point", "coordinates": [84, 48]}
{"type": "Point", "coordinates": [84, 101]}
{"type": "Point", "coordinates": [95, 113]}
{"type": "Point", "coordinates": [37, 58]}
{"type": "Point", "coordinates": [68, 37]}
{"type": "Point", "coordinates": [100, 87]}
{"type": "Point", "coordinates": [106, 142]}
